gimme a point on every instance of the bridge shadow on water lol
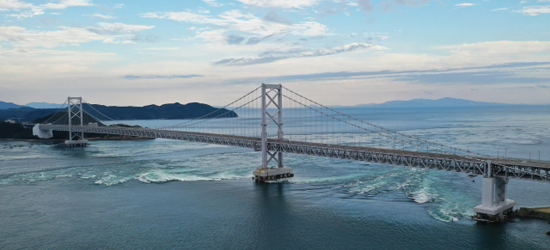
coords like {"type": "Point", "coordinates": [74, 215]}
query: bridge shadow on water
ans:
{"type": "Point", "coordinates": [273, 215]}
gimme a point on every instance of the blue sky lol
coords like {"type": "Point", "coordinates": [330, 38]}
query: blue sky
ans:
{"type": "Point", "coordinates": [340, 52]}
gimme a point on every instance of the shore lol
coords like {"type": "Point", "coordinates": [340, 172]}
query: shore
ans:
{"type": "Point", "coordinates": [542, 213]}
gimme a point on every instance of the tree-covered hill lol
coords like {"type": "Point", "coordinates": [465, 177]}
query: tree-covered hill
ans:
{"type": "Point", "coordinates": [166, 111]}
{"type": "Point", "coordinates": [15, 131]}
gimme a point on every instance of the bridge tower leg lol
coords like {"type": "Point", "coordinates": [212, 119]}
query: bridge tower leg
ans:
{"type": "Point", "coordinates": [272, 98]}
{"type": "Point", "coordinates": [494, 206]}
{"type": "Point", "coordinates": [75, 114]}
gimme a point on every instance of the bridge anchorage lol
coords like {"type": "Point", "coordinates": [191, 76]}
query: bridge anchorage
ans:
{"type": "Point", "coordinates": [272, 97]}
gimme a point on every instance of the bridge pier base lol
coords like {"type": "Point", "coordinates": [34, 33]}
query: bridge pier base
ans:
{"type": "Point", "coordinates": [76, 143]}
{"type": "Point", "coordinates": [494, 206]}
{"type": "Point", "coordinates": [272, 173]}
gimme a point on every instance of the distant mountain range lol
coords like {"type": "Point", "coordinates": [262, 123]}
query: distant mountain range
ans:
{"type": "Point", "coordinates": [9, 105]}
{"type": "Point", "coordinates": [428, 103]}
{"type": "Point", "coordinates": [35, 110]}
{"type": "Point", "coordinates": [43, 105]}
{"type": "Point", "coordinates": [35, 105]}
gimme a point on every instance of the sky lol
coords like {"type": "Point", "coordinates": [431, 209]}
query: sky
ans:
{"type": "Point", "coordinates": [337, 52]}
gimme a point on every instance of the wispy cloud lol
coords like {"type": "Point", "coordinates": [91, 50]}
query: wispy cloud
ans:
{"type": "Point", "coordinates": [365, 5]}
{"type": "Point", "coordinates": [30, 10]}
{"type": "Point", "coordinates": [106, 32]}
{"type": "Point", "coordinates": [281, 3]}
{"type": "Point", "coordinates": [465, 4]}
{"type": "Point", "coordinates": [496, 48]}
{"type": "Point", "coordinates": [272, 56]}
{"type": "Point", "coordinates": [235, 20]}
{"type": "Point", "coordinates": [103, 17]}
{"type": "Point", "coordinates": [490, 74]}
{"type": "Point", "coordinates": [162, 48]}
{"type": "Point", "coordinates": [500, 9]}
{"type": "Point", "coordinates": [213, 3]}
{"type": "Point", "coordinates": [134, 77]}
{"type": "Point", "coordinates": [234, 27]}
{"type": "Point", "coordinates": [535, 10]}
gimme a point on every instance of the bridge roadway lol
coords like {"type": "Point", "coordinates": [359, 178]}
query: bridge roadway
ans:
{"type": "Point", "coordinates": [511, 168]}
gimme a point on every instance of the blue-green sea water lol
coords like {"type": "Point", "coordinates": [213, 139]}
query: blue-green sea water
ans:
{"type": "Point", "coordinates": [165, 194]}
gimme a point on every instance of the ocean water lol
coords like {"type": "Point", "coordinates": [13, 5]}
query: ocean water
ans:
{"type": "Point", "coordinates": [173, 194]}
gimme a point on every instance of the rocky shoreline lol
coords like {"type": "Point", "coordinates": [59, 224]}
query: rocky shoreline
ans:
{"type": "Point", "coordinates": [542, 213]}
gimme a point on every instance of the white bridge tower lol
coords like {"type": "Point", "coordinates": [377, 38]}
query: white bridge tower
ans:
{"type": "Point", "coordinates": [272, 98]}
{"type": "Point", "coordinates": [75, 114]}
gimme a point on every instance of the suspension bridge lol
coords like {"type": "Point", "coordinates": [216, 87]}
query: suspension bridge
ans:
{"type": "Point", "coordinates": [318, 130]}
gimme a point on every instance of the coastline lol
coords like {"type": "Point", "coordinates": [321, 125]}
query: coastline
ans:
{"type": "Point", "coordinates": [114, 138]}
{"type": "Point", "coordinates": [542, 213]}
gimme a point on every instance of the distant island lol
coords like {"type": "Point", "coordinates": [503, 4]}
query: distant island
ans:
{"type": "Point", "coordinates": [167, 111]}
{"type": "Point", "coordinates": [429, 103]}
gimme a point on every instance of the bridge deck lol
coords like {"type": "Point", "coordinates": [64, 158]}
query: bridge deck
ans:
{"type": "Point", "coordinates": [511, 168]}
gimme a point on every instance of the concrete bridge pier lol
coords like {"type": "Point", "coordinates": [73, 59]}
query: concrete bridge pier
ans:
{"type": "Point", "coordinates": [494, 206]}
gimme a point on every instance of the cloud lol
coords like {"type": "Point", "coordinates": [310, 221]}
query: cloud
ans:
{"type": "Point", "coordinates": [543, 86]}
{"type": "Point", "coordinates": [534, 10]}
{"type": "Point", "coordinates": [411, 2]}
{"type": "Point", "coordinates": [213, 3]}
{"type": "Point", "coordinates": [31, 10]}
{"type": "Point", "coordinates": [107, 32]}
{"type": "Point", "coordinates": [280, 3]}
{"type": "Point", "coordinates": [365, 5]}
{"type": "Point", "coordinates": [236, 21]}
{"type": "Point", "coordinates": [103, 17]}
{"type": "Point", "coordinates": [163, 48]}
{"type": "Point", "coordinates": [272, 56]}
{"type": "Point", "coordinates": [389, 5]}
{"type": "Point", "coordinates": [6, 5]}
{"type": "Point", "coordinates": [134, 77]}
{"type": "Point", "coordinates": [118, 28]}
{"type": "Point", "coordinates": [234, 39]}
{"type": "Point", "coordinates": [489, 74]}
{"type": "Point", "coordinates": [500, 9]}
{"type": "Point", "coordinates": [272, 16]}
{"type": "Point", "coordinates": [40, 64]}
{"type": "Point", "coordinates": [499, 48]}
{"type": "Point", "coordinates": [465, 4]}
{"type": "Point", "coordinates": [63, 4]}
{"type": "Point", "coordinates": [256, 40]}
